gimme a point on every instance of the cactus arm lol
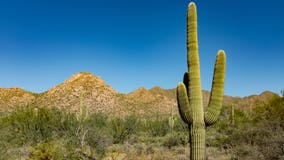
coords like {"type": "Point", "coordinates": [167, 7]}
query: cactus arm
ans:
{"type": "Point", "coordinates": [217, 91]}
{"type": "Point", "coordinates": [183, 104]}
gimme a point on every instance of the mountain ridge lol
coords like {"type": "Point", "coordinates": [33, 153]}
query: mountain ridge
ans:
{"type": "Point", "coordinates": [101, 97]}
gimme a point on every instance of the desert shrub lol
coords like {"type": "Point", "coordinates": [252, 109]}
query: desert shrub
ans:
{"type": "Point", "coordinates": [37, 124]}
{"type": "Point", "coordinates": [175, 139]}
{"type": "Point", "coordinates": [246, 152]}
{"type": "Point", "coordinates": [42, 128]}
{"type": "Point", "coordinates": [122, 128]}
{"type": "Point", "coordinates": [95, 133]}
{"type": "Point", "coordinates": [97, 120]}
{"type": "Point", "coordinates": [157, 126]}
{"type": "Point", "coordinates": [47, 151]}
{"type": "Point", "coordinates": [59, 149]}
{"type": "Point", "coordinates": [98, 140]}
{"type": "Point", "coordinates": [273, 111]}
{"type": "Point", "coordinates": [259, 141]}
{"type": "Point", "coordinates": [269, 119]}
{"type": "Point", "coordinates": [259, 136]}
{"type": "Point", "coordinates": [180, 126]}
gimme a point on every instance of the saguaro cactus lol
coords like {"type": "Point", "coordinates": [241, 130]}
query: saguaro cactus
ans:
{"type": "Point", "coordinates": [232, 115]}
{"type": "Point", "coordinates": [189, 93]}
{"type": "Point", "coordinates": [171, 120]}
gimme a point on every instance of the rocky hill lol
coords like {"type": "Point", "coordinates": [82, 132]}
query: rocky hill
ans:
{"type": "Point", "coordinates": [97, 96]}
{"type": "Point", "coordinates": [85, 87]}
{"type": "Point", "coordinates": [11, 98]}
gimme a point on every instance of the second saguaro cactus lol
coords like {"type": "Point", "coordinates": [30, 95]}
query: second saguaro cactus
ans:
{"type": "Point", "coordinates": [232, 115]}
{"type": "Point", "coordinates": [189, 93]}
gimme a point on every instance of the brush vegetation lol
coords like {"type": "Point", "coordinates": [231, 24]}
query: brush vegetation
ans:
{"type": "Point", "coordinates": [52, 133]}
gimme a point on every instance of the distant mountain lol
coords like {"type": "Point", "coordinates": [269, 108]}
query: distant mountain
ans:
{"type": "Point", "coordinates": [154, 101]}
{"type": "Point", "coordinates": [93, 91]}
{"type": "Point", "coordinates": [10, 98]}
{"type": "Point", "coordinates": [100, 97]}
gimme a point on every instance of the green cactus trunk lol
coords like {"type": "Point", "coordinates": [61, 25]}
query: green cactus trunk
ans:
{"type": "Point", "coordinates": [189, 92]}
{"type": "Point", "coordinates": [197, 142]}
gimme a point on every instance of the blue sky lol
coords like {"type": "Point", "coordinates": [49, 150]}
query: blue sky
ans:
{"type": "Point", "coordinates": [135, 43]}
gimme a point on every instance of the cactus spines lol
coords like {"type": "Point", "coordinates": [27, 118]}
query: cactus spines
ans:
{"type": "Point", "coordinates": [189, 93]}
{"type": "Point", "coordinates": [217, 91]}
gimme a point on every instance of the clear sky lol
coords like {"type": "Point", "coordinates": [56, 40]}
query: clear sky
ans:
{"type": "Point", "coordinates": [134, 43]}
